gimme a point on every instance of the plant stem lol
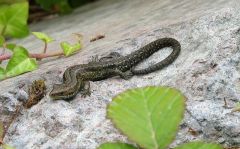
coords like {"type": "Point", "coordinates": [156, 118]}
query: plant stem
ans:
{"type": "Point", "coordinates": [45, 47]}
{"type": "Point", "coordinates": [34, 55]}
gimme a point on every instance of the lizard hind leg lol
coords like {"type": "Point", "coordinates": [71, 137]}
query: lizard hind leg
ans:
{"type": "Point", "coordinates": [85, 89]}
{"type": "Point", "coordinates": [124, 75]}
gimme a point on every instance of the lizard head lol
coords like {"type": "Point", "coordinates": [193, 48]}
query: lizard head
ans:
{"type": "Point", "coordinates": [61, 91]}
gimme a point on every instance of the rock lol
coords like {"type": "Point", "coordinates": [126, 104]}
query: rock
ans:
{"type": "Point", "coordinates": [207, 72]}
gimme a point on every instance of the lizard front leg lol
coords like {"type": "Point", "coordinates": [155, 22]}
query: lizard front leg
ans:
{"type": "Point", "coordinates": [108, 57]}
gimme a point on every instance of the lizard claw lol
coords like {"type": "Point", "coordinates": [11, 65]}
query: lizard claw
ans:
{"type": "Point", "coordinates": [85, 93]}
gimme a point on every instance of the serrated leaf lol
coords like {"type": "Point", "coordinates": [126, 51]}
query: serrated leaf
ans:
{"type": "Point", "coordinates": [42, 36]}
{"type": "Point", "coordinates": [199, 145]}
{"type": "Point", "coordinates": [2, 40]}
{"type": "Point", "coordinates": [1, 130]}
{"type": "Point", "coordinates": [6, 146]}
{"type": "Point", "coordinates": [116, 146]}
{"type": "Point", "coordinates": [2, 75]}
{"type": "Point", "coordinates": [149, 116]}
{"type": "Point", "coordinates": [13, 20]}
{"type": "Point", "coordinates": [70, 49]}
{"type": "Point", "coordinates": [20, 62]}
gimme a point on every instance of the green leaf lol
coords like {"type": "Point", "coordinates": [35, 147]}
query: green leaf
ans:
{"type": "Point", "coordinates": [11, 46]}
{"type": "Point", "coordinates": [61, 6]}
{"type": "Point", "coordinates": [10, 1]}
{"type": "Point", "coordinates": [43, 37]}
{"type": "Point", "coordinates": [6, 146]}
{"type": "Point", "coordinates": [2, 40]}
{"type": "Point", "coordinates": [150, 116]}
{"type": "Point", "coordinates": [2, 76]}
{"type": "Point", "coordinates": [199, 145]}
{"type": "Point", "coordinates": [116, 146]}
{"type": "Point", "coordinates": [13, 20]}
{"type": "Point", "coordinates": [1, 130]}
{"type": "Point", "coordinates": [70, 49]}
{"type": "Point", "coordinates": [20, 62]}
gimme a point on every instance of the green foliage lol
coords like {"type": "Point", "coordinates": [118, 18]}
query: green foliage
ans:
{"type": "Point", "coordinates": [199, 145]}
{"type": "Point", "coordinates": [70, 49]}
{"type": "Point", "coordinates": [116, 146]}
{"type": "Point", "coordinates": [43, 37]}
{"type": "Point", "coordinates": [146, 111]}
{"type": "Point", "coordinates": [20, 63]}
{"type": "Point", "coordinates": [150, 116]}
{"type": "Point", "coordinates": [6, 146]}
{"type": "Point", "coordinates": [62, 6]}
{"type": "Point", "coordinates": [13, 20]}
{"type": "Point", "coordinates": [11, 46]}
{"type": "Point", "coordinates": [10, 1]}
{"type": "Point", "coordinates": [2, 40]}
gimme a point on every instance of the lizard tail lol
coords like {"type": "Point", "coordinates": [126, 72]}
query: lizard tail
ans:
{"type": "Point", "coordinates": [175, 45]}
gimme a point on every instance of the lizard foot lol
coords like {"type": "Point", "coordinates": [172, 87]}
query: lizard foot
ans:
{"type": "Point", "coordinates": [85, 93]}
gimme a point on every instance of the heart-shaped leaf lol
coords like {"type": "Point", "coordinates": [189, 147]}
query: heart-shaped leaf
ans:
{"type": "Point", "coordinates": [70, 49]}
{"type": "Point", "coordinates": [199, 145]}
{"type": "Point", "coordinates": [149, 116]}
{"type": "Point", "coordinates": [13, 20]}
{"type": "Point", "coordinates": [43, 37]}
{"type": "Point", "coordinates": [116, 146]}
{"type": "Point", "coordinates": [20, 62]}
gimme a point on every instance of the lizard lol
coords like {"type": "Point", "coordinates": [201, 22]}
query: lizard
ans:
{"type": "Point", "coordinates": [76, 78]}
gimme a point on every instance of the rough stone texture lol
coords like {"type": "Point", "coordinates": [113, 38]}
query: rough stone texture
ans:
{"type": "Point", "coordinates": [207, 71]}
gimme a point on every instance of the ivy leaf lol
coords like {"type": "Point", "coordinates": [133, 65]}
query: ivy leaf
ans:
{"type": "Point", "coordinates": [2, 76]}
{"type": "Point", "coordinates": [13, 20]}
{"type": "Point", "coordinates": [70, 49]}
{"type": "Point", "coordinates": [116, 146]}
{"type": "Point", "coordinates": [43, 37]}
{"type": "Point", "coordinates": [20, 62]}
{"type": "Point", "coordinates": [6, 146]}
{"type": "Point", "coordinates": [149, 116]}
{"type": "Point", "coordinates": [199, 145]}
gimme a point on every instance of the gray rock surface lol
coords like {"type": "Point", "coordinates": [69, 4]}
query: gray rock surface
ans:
{"type": "Point", "coordinates": [207, 72]}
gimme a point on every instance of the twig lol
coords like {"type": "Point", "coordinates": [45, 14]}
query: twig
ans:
{"type": "Point", "coordinates": [45, 47]}
{"type": "Point", "coordinates": [14, 116]}
{"type": "Point", "coordinates": [35, 55]}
